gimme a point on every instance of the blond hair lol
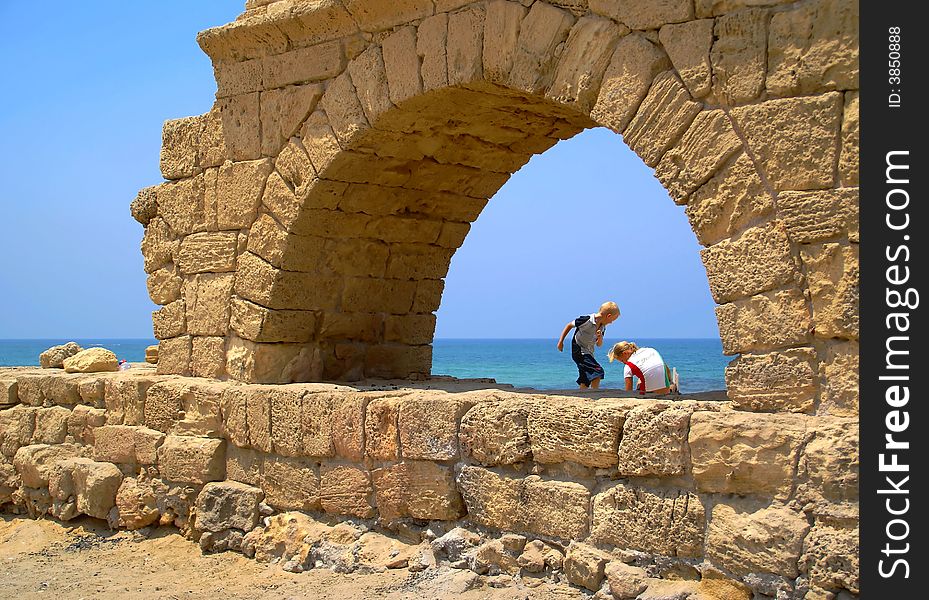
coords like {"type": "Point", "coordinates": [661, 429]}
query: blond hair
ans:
{"type": "Point", "coordinates": [608, 308]}
{"type": "Point", "coordinates": [620, 347]}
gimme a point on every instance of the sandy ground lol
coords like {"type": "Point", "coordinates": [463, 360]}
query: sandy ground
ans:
{"type": "Point", "coordinates": [84, 559]}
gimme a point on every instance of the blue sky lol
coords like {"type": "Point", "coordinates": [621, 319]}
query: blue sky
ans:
{"type": "Point", "coordinates": [87, 88]}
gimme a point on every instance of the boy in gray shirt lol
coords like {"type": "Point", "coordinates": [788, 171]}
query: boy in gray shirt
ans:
{"type": "Point", "coordinates": [589, 330]}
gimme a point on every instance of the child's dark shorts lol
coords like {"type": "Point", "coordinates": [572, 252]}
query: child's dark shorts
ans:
{"type": "Point", "coordinates": [588, 368]}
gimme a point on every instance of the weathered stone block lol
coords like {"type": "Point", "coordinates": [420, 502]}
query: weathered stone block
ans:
{"type": "Point", "coordinates": [657, 521]}
{"type": "Point", "coordinates": [759, 260]}
{"type": "Point", "coordinates": [286, 421]}
{"type": "Point", "coordinates": [164, 285]}
{"type": "Point", "coordinates": [830, 462]}
{"type": "Point", "coordinates": [170, 320]}
{"type": "Point", "coordinates": [370, 81]}
{"type": "Point", "coordinates": [95, 486]}
{"type": "Point", "coordinates": [241, 126]}
{"type": "Point", "coordinates": [576, 431]}
{"type": "Point", "coordinates": [637, 15]}
{"type": "Point", "coordinates": [654, 441]}
{"type": "Point", "coordinates": [179, 144]}
{"type": "Point", "coordinates": [159, 244]}
{"type": "Point", "coordinates": [8, 393]}
{"type": "Point", "coordinates": [768, 540]}
{"type": "Point", "coordinates": [820, 215]}
{"type": "Point", "coordinates": [208, 357]}
{"type": "Point", "coordinates": [174, 356]}
{"type": "Point", "coordinates": [627, 79]}
{"type": "Point", "coordinates": [192, 460]}
{"type": "Point", "coordinates": [316, 417]}
{"type": "Point", "coordinates": [464, 45]}
{"type": "Point", "coordinates": [401, 64]}
{"type": "Point", "coordinates": [496, 433]}
{"type": "Point", "coordinates": [51, 425]}
{"type": "Point", "coordinates": [418, 489]}
{"type": "Point", "coordinates": [206, 299]}
{"type": "Point", "coordinates": [346, 490]}
{"type": "Point", "coordinates": [252, 362]}
{"type": "Point", "coordinates": [794, 140]}
{"type": "Point", "coordinates": [738, 56]}
{"type": "Point", "coordinates": [586, 56]}
{"type": "Point", "coordinates": [773, 382]}
{"type": "Point", "coordinates": [813, 47]}
{"type": "Point", "coordinates": [180, 206]}
{"type": "Point", "coordinates": [661, 119]}
{"type": "Point", "coordinates": [259, 324]}
{"type": "Point", "coordinates": [382, 434]}
{"type": "Point", "coordinates": [208, 252]}
{"type": "Point", "coordinates": [83, 421]}
{"type": "Point", "coordinates": [136, 504]}
{"type": "Point", "coordinates": [534, 62]}
{"type": "Point", "coordinates": [765, 322]}
{"type": "Point", "coordinates": [831, 557]}
{"type": "Point", "coordinates": [348, 427]}
{"type": "Point", "coordinates": [688, 46]}
{"type": "Point", "coordinates": [258, 281]}
{"type": "Point", "coordinates": [91, 360]}
{"type": "Point", "coordinates": [283, 110]}
{"type": "Point", "coordinates": [377, 17]}
{"type": "Point", "coordinates": [115, 443]}
{"type": "Point", "coordinates": [428, 426]}
{"type": "Point", "coordinates": [707, 144]}
{"type": "Point", "coordinates": [555, 508]}
{"type": "Point", "coordinates": [833, 277]}
{"type": "Point", "coordinates": [228, 505]}
{"type": "Point", "coordinates": [584, 565]}
{"type": "Point", "coordinates": [501, 34]}
{"type": "Point", "coordinates": [848, 157]}
{"type": "Point", "coordinates": [492, 500]}
{"type": "Point", "coordinates": [17, 425]}
{"type": "Point", "coordinates": [34, 463]}
{"type": "Point", "coordinates": [163, 405]}
{"type": "Point", "coordinates": [840, 371]}
{"type": "Point", "coordinates": [741, 453]}
{"type": "Point", "coordinates": [126, 398]}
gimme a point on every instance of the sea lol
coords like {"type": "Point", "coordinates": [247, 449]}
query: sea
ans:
{"type": "Point", "coordinates": [523, 363]}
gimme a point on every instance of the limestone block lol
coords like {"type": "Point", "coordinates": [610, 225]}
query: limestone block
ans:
{"type": "Point", "coordinates": [637, 15]}
{"type": "Point", "coordinates": [206, 300]}
{"type": "Point", "coordinates": [355, 257]}
{"type": "Point", "coordinates": [369, 77]}
{"type": "Point", "coordinates": [391, 296]}
{"type": "Point", "coordinates": [377, 17]}
{"type": "Point", "coordinates": [95, 486]}
{"type": "Point", "coordinates": [83, 421]}
{"type": "Point", "coordinates": [158, 245]}
{"type": "Point", "coordinates": [174, 356]}
{"type": "Point", "coordinates": [294, 166]}
{"type": "Point", "coordinates": [180, 206]}
{"type": "Point", "coordinates": [287, 251]}
{"type": "Point", "coordinates": [543, 29]}
{"type": "Point", "coordinates": [51, 425]}
{"type": "Point", "coordinates": [586, 55]}
{"type": "Point", "coordinates": [64, 389]}
{"type": "Point", "coordinates": [538, 555]}
{"type": "Point", "coordinates": [848, 157]}
{"type": "Point", "coordinates": [555, 508]}
{"type": "Point", "coordinates": [192, 460]}
{"type": "Point", "coordinates": [501, 34]}
{"type": "Point", "coordinates": [54, 357]}
{"type": "Point", "coordinates": [831, 557]}
{"type": "Point", "coordinates": [163, 405]}
{"type": "Point", "coordinates": [575, 431]}
{"type": "Point", "coordinates": [164, 285]}
{"type": "Point", "coordinates": [833, 277]}
{"type": "Point", "coordinates": [840, 371]}
{"type": "Point", "coordinates": [286, 421]}
{"type": "Point", "coordinates": [228, 505]}
{"type": "Point", "coordinates": [584, 565]}
{"type": "Point", "coordinates": [728, 202]}
{"type": "Point", "coordinates": [759, 260]}
{"type": "Point", "coordinates": [258, 417]}
{"type": "Point", "coordinates": [208, 357]}
{"type": "Point", "coordinates": [431, 37]}
{"type": "Point", "coordinates": [428, 426]}
{"type": "Point", "coordinates": [431, 176]}
{"type": "Point", "coordinates": [495, 433]}
{"type": "Point", "coordinates": [453, 234]}
{"type": "Point", "coordinates": [688, 46]}
{"type": "Point", "coordinates": [244, 465]}
{"type": "Point", "coordinates": [661, 119]}
{"type": "Point", "coordinates": [31, 388]}
{"type": "Point", "coordinates": [715, 584]}
{"type": "Point", "coordinates": [34, 463]}
{"type": "Point", "coordinates": [284, 205]}
{"type": "Point", "coordinates": [706, 145]}
{"type": "Point", "coordinates": [170, 320]}
{"type": "Point", "coordinates": [136, 505]}
{"type": "Point", "coordinates": [189, 407]}
{"type": "Point", "coordinates": [212, 150]}
{"type": "Point", "coordinates": [782, 381]}
{"type": "Point", "coordinates": [91, 391]}
{"type": "Point", "coordinates": [764, 322]}
{"type": "Point", "coordinates": [464, 50]}
{"type": "Point", "coordinates": [794, 139]}
{"type": "Point", "coordinates": [252, 362]}
{"type": "Point", "coordinates": [258, 281]}
{"type": "Point", "coordinates": [418, 489]}
{"type": "Point", "coordinates": [427, 295]}
{"type": "Point", "coordinates": [418, 261]}
{"type": "Point", "coordinates": [405, 230]}
{"type": "Point", "coordinates": [9, 395]}
{"type": "Point", "coordinates": [232, 408]}
{"type": "Point", "coordinates": [92, 360]}
{"type": "Point", "coordinates": [830, 461]}
{"type": "Point", "coordinates": [283, 110]}
{"type": "Point", "coordinates": [813, 47]}
{"type": "Point", "coordinates": [240, 77]}
{"type": "Point", "coordinates": [145, 206]}
{"type": "Point", "coordinates": [401, 64]}
{"type": "Point", "coordinates": [768, 540]}
{"type": "Point", "coordinates": [346, 490]}
{"type": "Point", "coordinates": [634, 65]}
{"type": "Point", "coordinates": [738, 56]}
{"type": "Point", "coordinates": [391, 361]}
{"type": "Point", "coordinates": [180, 139]}
{"type": "Point", "coordinates": [820, 215]}
{"type": "Point", "coordinates": [348, 427]}
{"type": "Point", "coordinates": [127, 444]}
{"type": "Point", "coordinates": [492, 500]}
{"type": "Point", "coordinates": [320, 141]}
{"type": "Point", "coordinates": [241, 126]}
{"type": "Point", "coordinates": [382, 437]}
{"type": "Point", "coordinates": [665, 522]}
{"type": "Point", "coordinates": [493, 557]}
{"type": "Point", "coordinates": [348, 325]}
{"type": "Point", "coordinates": [238, 191]}
{"type": "Point", "coordinates": [654, 441]}
{"type": "Point", "coordinates": [711, 8]}
{"type": "Point", "coordinates": [742, 453]}
{"type": "Point", "coordinates": [316, 420]}
{"type": "Point", "coordinates": [625, 581]}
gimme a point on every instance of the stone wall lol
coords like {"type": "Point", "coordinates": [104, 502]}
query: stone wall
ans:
{"type": "Point", "coordinates": [677, 489]}
{"type": "Point", "coordinates": [308, 220]}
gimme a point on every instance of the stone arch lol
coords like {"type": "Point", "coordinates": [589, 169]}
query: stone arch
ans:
{"type": "Point", "coordinates": [310, 217]}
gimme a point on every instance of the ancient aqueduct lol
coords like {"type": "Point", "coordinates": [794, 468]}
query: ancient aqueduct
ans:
{"type": "Point", "coordinates": [308, 220]}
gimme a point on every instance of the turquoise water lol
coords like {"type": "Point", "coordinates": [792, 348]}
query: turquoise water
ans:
{"type": "Point", "coordinates": [523, 363]}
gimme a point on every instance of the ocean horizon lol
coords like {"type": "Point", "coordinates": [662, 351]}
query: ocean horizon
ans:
{"type": "Point", "coordinates": [523, 362]}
